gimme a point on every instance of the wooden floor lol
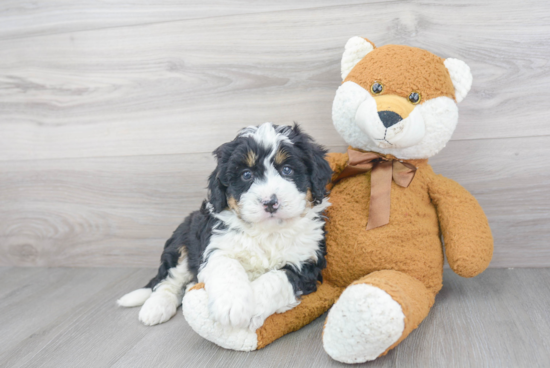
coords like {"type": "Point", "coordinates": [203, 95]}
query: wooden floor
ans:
{"type": "Point", "coordinates": [63, 317]}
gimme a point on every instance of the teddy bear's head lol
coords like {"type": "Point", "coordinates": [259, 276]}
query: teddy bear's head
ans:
{"type": "Point", "coordinates": [398, 100]}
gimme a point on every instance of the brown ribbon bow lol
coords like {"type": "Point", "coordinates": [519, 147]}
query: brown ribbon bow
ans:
{"type": "Point", "coordinates": [383, 170]}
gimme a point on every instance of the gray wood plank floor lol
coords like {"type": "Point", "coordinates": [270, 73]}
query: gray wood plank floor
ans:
{"type": "Point", "coordinates": [63, 317]}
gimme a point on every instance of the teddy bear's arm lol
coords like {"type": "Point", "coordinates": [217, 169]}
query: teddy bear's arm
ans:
{"type": "Point", "coordinates": [338, 162]}
{"type": "Point", "coordinates": [466, 232]}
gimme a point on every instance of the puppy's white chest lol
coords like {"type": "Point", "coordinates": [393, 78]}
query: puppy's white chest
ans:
{"type": "Point", "coordinates": [261, 252]}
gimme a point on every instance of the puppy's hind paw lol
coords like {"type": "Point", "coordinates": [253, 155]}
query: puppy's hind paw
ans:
{"type": "Point", "coordinates": [158, 309]}
{"type": "Point", "coordinates": [135, 298]}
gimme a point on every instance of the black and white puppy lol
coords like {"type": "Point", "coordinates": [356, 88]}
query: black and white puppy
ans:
{"type": "Point", "coordinates": [258, 240]}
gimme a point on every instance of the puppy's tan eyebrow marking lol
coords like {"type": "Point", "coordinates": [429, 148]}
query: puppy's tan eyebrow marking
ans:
{"type": "Point", "coordinates": [280, 156]}
{"type": "Point", "coordinates": [232, 203]}
{"type": "Point", "coordinates": [251, 158]}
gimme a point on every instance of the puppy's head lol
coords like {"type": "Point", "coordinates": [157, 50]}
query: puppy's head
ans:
{"type": "Point", "coordinates": [269, 173]}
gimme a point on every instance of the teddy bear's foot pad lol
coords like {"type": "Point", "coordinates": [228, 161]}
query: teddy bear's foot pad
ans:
{"type": "Point", "coordinates": [195, 311]}
{"type": "Point", "coordinates": [363, 324]}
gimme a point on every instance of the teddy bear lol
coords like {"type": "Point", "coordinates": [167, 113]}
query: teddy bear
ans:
{"type": "Point", "coordinates": [396, 107]}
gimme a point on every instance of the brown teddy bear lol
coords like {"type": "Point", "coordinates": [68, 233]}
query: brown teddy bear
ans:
{"type": "Point", "coordinates": [397, 107]}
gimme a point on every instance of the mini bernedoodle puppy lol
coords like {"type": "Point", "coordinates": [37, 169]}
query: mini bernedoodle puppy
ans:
{"type": "Point", "coordinates": [257, 243]}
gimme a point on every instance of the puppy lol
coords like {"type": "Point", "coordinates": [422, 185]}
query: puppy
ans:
{"type": "Point", "coordinates": [257, 243]}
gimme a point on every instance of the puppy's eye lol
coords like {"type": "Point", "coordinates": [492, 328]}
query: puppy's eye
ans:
{"type": "Point", "coordinates": [415, 98]}
{"type": "Point", "coordinates": [287, 171]}
{"type": "Point", "coordinates": [247, 175]}
{"type": "Point", "coordinates": [377, 88]}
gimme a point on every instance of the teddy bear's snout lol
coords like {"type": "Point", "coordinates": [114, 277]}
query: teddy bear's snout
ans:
{"type": "Point", "coordinates": [392, 109]}
{"type": "Point", "coordinates": [389, 118]}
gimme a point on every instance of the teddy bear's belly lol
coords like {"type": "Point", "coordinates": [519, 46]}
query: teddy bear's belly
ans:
{"type": "Point", "coordinates": [410, 243]}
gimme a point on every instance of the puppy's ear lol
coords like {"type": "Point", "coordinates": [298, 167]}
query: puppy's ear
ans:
{"type": "Point", "coordinates": [216, 181]}
{"type": "Point", "coordinates": [318, 168]}
{"type": "Point", "coordinates": [320, 173]}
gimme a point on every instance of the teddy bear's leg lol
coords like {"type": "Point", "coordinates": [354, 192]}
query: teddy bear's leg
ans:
{"type": "Point", "coordinates": [374, 314]}
{"type": "Point", "coordinates": [195, 311]}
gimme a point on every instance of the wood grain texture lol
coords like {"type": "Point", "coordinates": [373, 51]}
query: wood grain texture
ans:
{"type": "Point", "coordinates": [119, 211]}
{"type": "Point", "coordinates": [23, 18]}
{"type": "Point", "coordinates": [68, 318]}
{"type": "Point", "coordinates": [109, 111]}
{"type": "Point", "coordinates": [186, 86]}
{"type": "Point", "coordinates": [93, 212]}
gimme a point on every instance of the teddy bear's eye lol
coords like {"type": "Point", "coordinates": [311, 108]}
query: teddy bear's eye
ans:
{"type": "Point", "coordinates": [415, 97]}
{"type": "Point", "coordinates": [377, 88]}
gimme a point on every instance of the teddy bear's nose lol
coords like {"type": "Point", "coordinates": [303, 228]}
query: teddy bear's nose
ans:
{"type": "Point", "coordinates": [389, 118]}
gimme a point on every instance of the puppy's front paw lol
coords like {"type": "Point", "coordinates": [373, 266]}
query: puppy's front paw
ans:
{"type": "Point", "coordinates": [263, 311]}
{"type": "Point", "coordinates": [257, 322]}
{"type": "Point", "coordinates": [233, 307]}
{"type": "Point", "coordinates": [195, 311]}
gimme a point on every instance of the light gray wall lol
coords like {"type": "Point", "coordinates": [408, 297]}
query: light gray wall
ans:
{"type": "Point", "coordinates": [108, 113]}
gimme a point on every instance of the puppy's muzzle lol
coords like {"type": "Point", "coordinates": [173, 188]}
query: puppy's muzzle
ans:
{"type": "Point", "coordinates": [272, 204]}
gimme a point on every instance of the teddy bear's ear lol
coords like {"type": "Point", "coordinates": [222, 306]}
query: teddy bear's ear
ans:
{"type": "Point", "coordinates": [356, 49]}
{"type": "Point", "coordinates": [461, 77]}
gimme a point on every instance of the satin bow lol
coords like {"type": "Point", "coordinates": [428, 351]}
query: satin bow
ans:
{"type": "Point", "coordinates": [383, 170]}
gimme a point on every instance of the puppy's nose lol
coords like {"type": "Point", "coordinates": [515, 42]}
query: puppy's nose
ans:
{"type": "Point", "coordinates": [389, 118]}
{"type": "Point", "coordinates": [271, 205]}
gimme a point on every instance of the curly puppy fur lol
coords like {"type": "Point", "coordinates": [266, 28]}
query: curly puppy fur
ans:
{"type": "Point", "coordinates": [257, 242]}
